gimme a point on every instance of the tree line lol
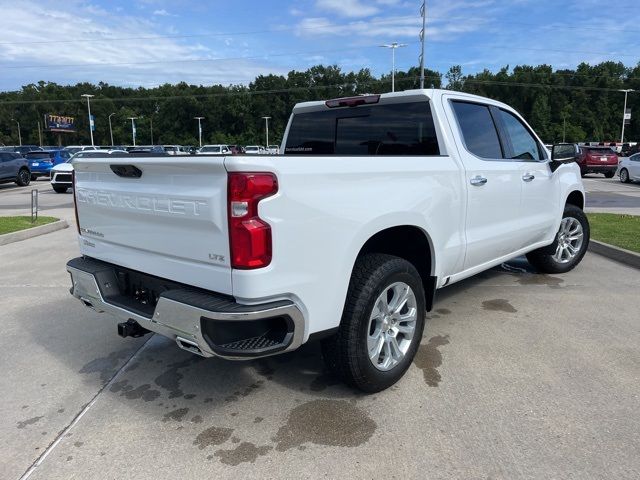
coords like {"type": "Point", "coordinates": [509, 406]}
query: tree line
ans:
{"type": "Point", "coordinates": [582, 104]}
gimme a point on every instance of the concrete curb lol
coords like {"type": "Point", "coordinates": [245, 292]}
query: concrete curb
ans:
{"type": "Point", "coordinates": [32, 232]}
{"type": "Point", "coordinates": [627, 257]}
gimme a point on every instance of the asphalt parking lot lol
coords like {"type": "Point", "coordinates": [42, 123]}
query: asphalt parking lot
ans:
{"type": "Point", "coordinates": [519, 376]}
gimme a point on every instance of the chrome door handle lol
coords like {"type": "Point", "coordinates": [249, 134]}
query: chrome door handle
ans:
{"type": "Point", "coordinates": [527, 177]}
{"type": "Point", "coordinates": [478, 181]}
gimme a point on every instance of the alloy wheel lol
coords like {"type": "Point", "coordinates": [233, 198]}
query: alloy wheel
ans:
{"type": "Point", "coordinates": [392, 325]}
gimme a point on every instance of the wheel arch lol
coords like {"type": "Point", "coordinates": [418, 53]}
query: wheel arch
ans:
{"type": "Point", "coordinates": [411, 243]}
{"type": "Point", "coordinates": [576, 198]}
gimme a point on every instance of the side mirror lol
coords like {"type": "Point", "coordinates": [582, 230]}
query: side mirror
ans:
{"type": "Point", "coordinates": [563, 153]}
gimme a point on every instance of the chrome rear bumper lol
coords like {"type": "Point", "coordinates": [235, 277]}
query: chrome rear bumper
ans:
{"type": "Point", "coordinates": [192, 317]}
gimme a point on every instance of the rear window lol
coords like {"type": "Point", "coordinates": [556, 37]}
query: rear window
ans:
{"type": "Point", "coordinates": [396, 129]}
{"type": "Point", "coordinates": [210, 149]}
{"type": "Point", "coordinates": [39, 155]}
{"type": "Point", "coordinates": [599, 151]}
{"type": "Point", "coordinates": [478, 129]}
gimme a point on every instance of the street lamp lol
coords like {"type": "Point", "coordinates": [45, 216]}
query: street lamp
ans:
{"type": "Point", "coordinates": [199, 129]}
{"type": "Point", "coordinates": [624, 111]}
{"type": "Point", "coordinates": [111, 129]}
{"type": "Point", "coordinates": [19, 134]}
{"type": "Point", "coordinates": [133, 129]}
{"type": "Point", "coordinates": [393, 46]}
{"type": "Point", "coordinates": [423, 32]}
{"type": "Point", "coordinates": [88, 97]}
{"type": "Point", "coordinates": [151, 120]}
{"type": "Point", "coordinates": [266, 121]}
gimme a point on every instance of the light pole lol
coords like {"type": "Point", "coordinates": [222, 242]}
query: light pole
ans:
{"type": "Point", "coordinates": [88, 97]}
{"type": "Point", "coordinates": [423, 32]}
{"type": "Point", "coordinates": [133, 129]}
{"type": "Point", "coordinates": [266, 121]}
{"type": "Point", "coordinates": [151, 120]}
{"type": "Point", "coordinates": [19, 134]}
{"type": "Point", "coordinates": [624, 112]}
{"type": "Point", "coordinates": [199, 129]}
{"type": "Point", "coordinates": [111, 129]}
{"type": "Point", "coordinates": [393, 46]}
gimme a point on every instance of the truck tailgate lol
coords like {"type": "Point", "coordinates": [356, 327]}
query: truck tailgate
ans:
{"type": "Point", "coordinates": [165, 217]}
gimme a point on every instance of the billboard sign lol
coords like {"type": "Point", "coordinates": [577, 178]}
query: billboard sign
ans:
{"type": "Point", "coordinates": [59, 123]}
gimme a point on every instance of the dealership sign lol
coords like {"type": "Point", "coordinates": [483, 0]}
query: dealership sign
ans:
{"type": "Point", "coordinates": [59, 123]}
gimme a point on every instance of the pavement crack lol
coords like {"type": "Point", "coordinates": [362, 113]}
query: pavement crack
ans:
{"type": "Point", "coordinates": [85, 408]}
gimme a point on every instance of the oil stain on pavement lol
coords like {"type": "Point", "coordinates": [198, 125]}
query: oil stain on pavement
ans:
{"type": "Point", "coordinates": [106, 366]}
{"type": "Point", "coordinates": [498, 305]}
{"type": "Point", "coordinates": [428, 358]}
{"type": "Point", "coordinates": [29, 421]}
{"type": "Point", "coordinates": [212, 436]}
{"type": "Point", "coordinates": [325, 422]}
{"type": "Point", "coordinates": [170, 379]}
{"type": "Point", "coordinates": [244, 453]}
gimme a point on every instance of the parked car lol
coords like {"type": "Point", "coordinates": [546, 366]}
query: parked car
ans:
{"type": "Point", "coordinates": [254, 150]}
{"type": "Point", "coordinates": [22, 149]}
{"type": "Point", "coordinates": [629, 169]}
{"type": "Point", "coordinates": [236, 149]}
{"type": "Point", "coordinates": [598, 160]}
{"type": "Point", "coordinates": [175, 150]}
{"type": "Point", "coordinates": [215, 150]}
{"type": "Point", "coordinates": [61, 174]}
{"type": "Point", "coordinates": [147, 149]}
{"type": "Point", "coordinates": [41, 162]}
{"type": "Point", "coordinates": [14, 168]}
{"type": "Point", "coordinates": [72, 149]}
{"type": "Point", "coordinates": [377, 202]}
{"type": "Point", "coordinates": [274, 149]}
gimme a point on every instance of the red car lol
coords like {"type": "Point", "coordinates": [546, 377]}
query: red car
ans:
{"type": "Point", "coordinates": [598, 160]}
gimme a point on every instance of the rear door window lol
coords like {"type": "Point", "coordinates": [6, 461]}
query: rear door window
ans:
{"type": "Point", "coordinates": [478, 129]}
{"type": "Point", "coordinates": [394, 129]}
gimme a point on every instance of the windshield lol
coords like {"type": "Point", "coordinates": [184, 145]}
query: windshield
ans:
{"type": "Point", "coordinates": [210, 149]}
{"type": "Point", "coordinates": [73, 150]}
{"type": "Point", "coordinates": [252, 149]}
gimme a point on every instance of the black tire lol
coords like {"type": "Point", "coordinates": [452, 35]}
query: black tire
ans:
{"type": "Point", "coordinates": [346, 352]}
{"type": "Point", "coordinates": [59, 189]}
{"type": "Point", "coordinates": [24, 177]}
{"type": "Point", "coordinates": [624, 175]}
{"type": "Point", "coordinates": [543, 258]}
{"type": "Point", "coordinates": [34, 178]}
{"type": "Point", "coordinates": [609, 174]}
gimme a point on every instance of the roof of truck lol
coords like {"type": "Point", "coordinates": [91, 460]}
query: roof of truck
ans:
{"type": "Point", "coordinates": [430, 93]}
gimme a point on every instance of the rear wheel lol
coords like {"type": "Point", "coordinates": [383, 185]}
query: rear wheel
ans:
{"type": "Point", "coordinates": [569, 246]}
{"type": "Point", "coordinates": [381, 325]}
{"type": "Point", "coordinates": [24, 178]}
{"type": "Point", "coordinates": [624, 175]}
{"type": "Point", "coordinates": [59, 189]}
{"type": "Point", "coordinates": [609, 174]}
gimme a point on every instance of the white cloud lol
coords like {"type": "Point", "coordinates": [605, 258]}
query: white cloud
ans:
{"type": "Point", "coordinates": [98, 45]}
{"type": "Point", "coordinates": [162, 13]}
{"type": "Point", "coordinates": [348, 8]}
{"type": "Point", "coordinates": [395, 27]}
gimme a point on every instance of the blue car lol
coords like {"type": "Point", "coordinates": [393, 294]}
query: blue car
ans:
{"type": "Point", "coordinates": [41, 163]}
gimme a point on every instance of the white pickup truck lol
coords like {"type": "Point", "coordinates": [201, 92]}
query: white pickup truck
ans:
{"type": "Point", "coordinates": [376, 202]}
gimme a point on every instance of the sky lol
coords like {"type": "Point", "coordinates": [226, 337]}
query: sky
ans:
{"type": "Point", "coordinates": [151, 42]}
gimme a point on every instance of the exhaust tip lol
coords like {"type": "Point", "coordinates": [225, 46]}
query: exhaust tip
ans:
{"type": "Point", "coordinates": [131, 328]}
{"type": "Point", "coordinates": [189, 346]}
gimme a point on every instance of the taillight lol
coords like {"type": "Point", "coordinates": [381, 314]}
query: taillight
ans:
{"type": "Point", "coordinates": [75, 201]}
{"type": "Point", "coordinates": [249, 235]}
